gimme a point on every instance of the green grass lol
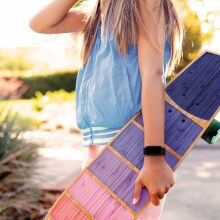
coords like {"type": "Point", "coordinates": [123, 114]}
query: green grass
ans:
{"type": "Point", "coordinates": [26, 108]}
{"type": "Point", "coordinates": [54, 97]}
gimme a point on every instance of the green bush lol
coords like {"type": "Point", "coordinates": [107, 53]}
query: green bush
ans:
{"type": "Point", "coordinates": [65, 80]}
{"type": "Point", "coordinates": [17, 63]}
{"type": "Point", "coordinates": [194, 38]}
{"type": "Point", "coordinates": [57, 97]}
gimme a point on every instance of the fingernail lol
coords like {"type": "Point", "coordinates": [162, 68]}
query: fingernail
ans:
{"type": "Point", "coordinates": [134, 201]}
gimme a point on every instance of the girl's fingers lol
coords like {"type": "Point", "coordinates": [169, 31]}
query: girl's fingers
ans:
{"type": "Point", "coordinates": [137, 192]}
{"type": "Point", "coordinates": [155, 199]}
{"type": "Point", "coordinates": [171, 185]}
{"type": "Point", "coordinates": [161, 195]}
{"type": "Point", "coordinates": [167, 189]}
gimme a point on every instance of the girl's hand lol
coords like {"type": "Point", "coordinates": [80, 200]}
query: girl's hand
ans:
{"type": "Point", "coordinates": [157, 176]}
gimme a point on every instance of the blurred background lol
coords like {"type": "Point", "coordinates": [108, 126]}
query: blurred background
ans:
{"type": "Point", "coordinates": [40, 144]}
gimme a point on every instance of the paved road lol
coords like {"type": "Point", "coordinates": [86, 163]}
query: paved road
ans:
{"type": "Point", "coordinates": [196, 194]}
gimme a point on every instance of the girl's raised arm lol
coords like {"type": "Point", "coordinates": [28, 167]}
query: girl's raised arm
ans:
{"type": "Point", "coordinates": [156, 175]}
{"type": "Point", "coordinates": [58, 17]}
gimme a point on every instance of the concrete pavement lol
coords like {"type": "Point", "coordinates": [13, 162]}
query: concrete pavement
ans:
{"type": "Point", "coordinates": [196, 194]}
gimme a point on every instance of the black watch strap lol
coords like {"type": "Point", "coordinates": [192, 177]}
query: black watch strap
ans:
{"type": "Point", "coordinates": [154, 150]}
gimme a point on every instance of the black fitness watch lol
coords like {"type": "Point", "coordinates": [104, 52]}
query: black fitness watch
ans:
{"type": "Point", "coordinates": [154, 151]}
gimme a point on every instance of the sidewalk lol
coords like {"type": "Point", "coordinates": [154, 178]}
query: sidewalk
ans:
{"type": "Point", "coordinates": [59, 160]}
{"type": "Point", "coordinates": [195, 195]}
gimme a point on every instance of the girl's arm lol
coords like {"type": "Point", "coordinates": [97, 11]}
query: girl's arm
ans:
{"type": "Point", "coordinates": [156, 175]}
{"type": "Point", "coordinates": [56, 17]}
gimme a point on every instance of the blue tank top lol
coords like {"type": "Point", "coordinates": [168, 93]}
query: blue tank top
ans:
{"type": "Point", "coordinates": [108, 89]}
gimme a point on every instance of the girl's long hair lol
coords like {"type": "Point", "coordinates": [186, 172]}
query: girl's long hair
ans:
{"type": "Point", "coordinates": [124, 17]}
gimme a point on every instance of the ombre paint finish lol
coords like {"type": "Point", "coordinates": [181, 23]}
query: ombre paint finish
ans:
{"type": "Point", "coordinates": [90, 194]}
{"type": "Point", "coordinates": [104, 189]}
{"type": "Point", "coordinates": [118, 177]}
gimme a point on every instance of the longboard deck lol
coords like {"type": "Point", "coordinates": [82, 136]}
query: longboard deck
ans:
{"type": "Point", "coordinates": [105, 188]}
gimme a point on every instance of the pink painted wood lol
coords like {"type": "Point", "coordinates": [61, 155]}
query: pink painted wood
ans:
{"type": "Point", "coordinates": [100, 204]}
{"type": "Point", "coordinates": [67, 210]}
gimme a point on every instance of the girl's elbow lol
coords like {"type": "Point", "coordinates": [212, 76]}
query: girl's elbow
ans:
{"type": "Point", "coordinates": [158, 71]}
{"type": "Point", "coordinates": [35, 26]}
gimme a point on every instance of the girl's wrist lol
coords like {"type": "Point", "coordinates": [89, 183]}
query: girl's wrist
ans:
{"type": "Point", "coordinates": [154, 159]}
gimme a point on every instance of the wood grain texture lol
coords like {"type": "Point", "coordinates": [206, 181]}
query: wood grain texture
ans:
{"type": "Point", "coordinates": [171, 160]}
{"type": "Point", "coordinates": [105, 188]}
{"type": "Point", "coordinates": [66, 209]}
{"type": "Point", "coordinates": [196, 90]}
{"type": "Point", "coordinates": [130, 144]}
{"type": "Point", "coordinates": [118, 177]}
{"type": "Point", "coordinates": [96, 200]}
{"type": "Point", "coordinates": [180, 131]}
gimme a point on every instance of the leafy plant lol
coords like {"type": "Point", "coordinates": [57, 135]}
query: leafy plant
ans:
{"type": "Point", "coordinates": [20, 199]}
{"type": "Point", "coordinates": [57, 97]}
{"type": "Point", "coordinates": [10, 136]}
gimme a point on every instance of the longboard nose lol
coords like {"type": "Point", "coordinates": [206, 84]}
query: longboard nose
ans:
{"type": "Point", "coordinates": [196, 90]}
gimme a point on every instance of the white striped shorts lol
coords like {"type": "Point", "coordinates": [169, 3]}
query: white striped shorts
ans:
{"type": "Point", "coordinates": [97, 135]}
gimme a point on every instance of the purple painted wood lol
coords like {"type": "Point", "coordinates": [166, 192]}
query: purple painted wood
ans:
{"type": "Point", "coordinates": [171, 159]}
{"type": "Point", "coordinates": [197, 89]}
{"type": "Point", "coordinates": [133, 149]}
{"type": "Point", "coordinates": [118, 177]}
{"type": "Point", "coordinates": [130, 144]}
{"type": "Point", "coordinates": [139, 119]}
{"type": "Point", "coordinates": [96, 200]}
{"type": "Point", "coordinates": [180, 131]}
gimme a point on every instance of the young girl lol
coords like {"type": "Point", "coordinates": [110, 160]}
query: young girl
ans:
{"type": "Point", "coordinates": [127, 45]}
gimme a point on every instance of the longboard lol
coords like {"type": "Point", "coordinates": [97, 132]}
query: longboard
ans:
{"type": "Point", "coordinates": [104, 189]}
